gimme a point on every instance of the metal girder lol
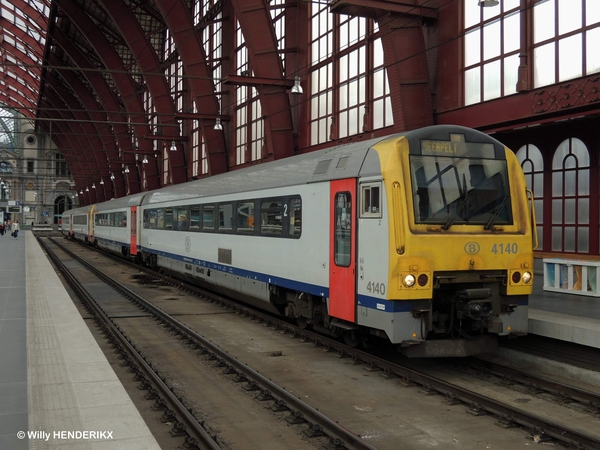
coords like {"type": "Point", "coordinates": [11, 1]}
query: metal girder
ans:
{"type": "Point", "coordinates": [84, 118]}
{"type": "Point", "coordinates": [97, 117]}
{"type": "Point", "coordinates": [177, 16]}
{"type": "Point", "coordinates": [74, 130]}
{"type": "Point", "coordinates": [125, 85]}
{"type": "Point", "coordinates": [374, 8]}
{"type": "Point", "coordinates": [149, 63]}
{"type": "Point", "coordinates": [408, 73]}
{"type": "Point", "coordinates": [257, 26]}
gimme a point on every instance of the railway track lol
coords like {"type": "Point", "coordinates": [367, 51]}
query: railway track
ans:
{"type": "Point", "coordinates": [541, 428]}
{"type": "Point", "coordinates": [315, 423]}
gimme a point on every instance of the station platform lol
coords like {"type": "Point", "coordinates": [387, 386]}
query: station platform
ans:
{"type": "Point", "coordinates": [567, 317]}
{"type": "Point", "coordinates": [57, 390]}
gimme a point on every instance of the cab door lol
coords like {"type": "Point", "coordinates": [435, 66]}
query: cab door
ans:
{"type": "Point", "coordinates": [342, 253]}
{"type": "Point", "coordinates": [133, 231]}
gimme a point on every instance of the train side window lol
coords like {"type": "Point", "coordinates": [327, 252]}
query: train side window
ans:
{"type": "Point", "coordinates": [160, 219]}
{"type": "Point", "coordinates": [111, 220]}
{"type": "Point", "coordinates": [208, 217]}
{"type": "Point", "coordinates": [124, 219]}
{"type": "Point", "coordinates": [370, 197]}
{"type": "Point", "coordinates": [195, 218]}
{"type": "Point", "coordinates": [182, 219]}
{"type": "Point", "coordinates": [245, 217]}
{"type": "Point", "coordinates": [152, 219]}
{"type": "Point", "coordinates": [343, 229]}
{"type": "Point", "coordinates": [270, 217]}
{"type": "Point", "coordinates": [295, 215]}
{"type": "Point", "coordinates": [226, 217]}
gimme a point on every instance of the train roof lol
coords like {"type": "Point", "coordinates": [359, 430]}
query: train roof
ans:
{"type": "Point", "coordinates": [123, 202]}
{"type": "Point", "coordinates": [344, 161]}
{"type": "Point", "coordinates": [80, 210]}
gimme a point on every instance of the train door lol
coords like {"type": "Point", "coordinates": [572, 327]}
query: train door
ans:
{"type": "Point", "coordinates": [133, 229]}
{"type": "Point", "coordinates": [342, 252]}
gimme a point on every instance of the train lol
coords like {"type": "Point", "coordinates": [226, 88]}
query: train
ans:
{"type": "Point", "coordinates": [422, 240]}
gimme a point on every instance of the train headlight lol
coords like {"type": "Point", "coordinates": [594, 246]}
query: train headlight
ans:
{"type": "Point", "coordinates": [409, 280]}
{"type": "Point", "coordinates": [527, 277]}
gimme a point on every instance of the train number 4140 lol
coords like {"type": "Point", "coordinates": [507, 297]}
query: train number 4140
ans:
{"type": "Point", "coordinates": [505, 248]}
{"type": "Point", "coordinates": [376, 288]}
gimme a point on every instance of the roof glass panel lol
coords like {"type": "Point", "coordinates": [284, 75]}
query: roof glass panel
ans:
{"type": "Point", "coordinates": [23, 44]}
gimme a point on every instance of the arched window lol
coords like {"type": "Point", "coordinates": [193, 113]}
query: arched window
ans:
{"type": "Point", "coordinates": [571, 197]}
{"type": "Point", "coordinates": [532, 162]}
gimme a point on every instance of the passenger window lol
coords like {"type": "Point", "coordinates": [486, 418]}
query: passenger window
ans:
{"type": "Point", "coordinates": [270, 217]}
{"type": "Point", "coordinates": [208, 217]}
{"type": "Point", "coordinates": [245, 217]}
{"type": "Point", "coordinates": [169, 218]}
{"type": "Point", "coordinates": [343, 228]}
{"type": "Point", "coordinates": [226, 217]}
{"type": "Point", "coordinates": [195, 218]}
{"type": "Point", "coordinates": [152, 219]}
{"type": "Point", "coordinates": [370, 200]}
{"type": "Point", "coordinates": [124, 220]}
{"type": "Point", "coordinates": [182, 218]}
{"type": "Point", "coordinates": [295, 217]}
{"type": "Point", "coordinates": [160, 219]}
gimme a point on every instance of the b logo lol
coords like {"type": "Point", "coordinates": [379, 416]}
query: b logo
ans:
{"type": "Point", "coordinates": [472, 248]}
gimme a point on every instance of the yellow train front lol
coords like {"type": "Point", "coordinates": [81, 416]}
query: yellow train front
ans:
{"type": "Point", "coordinates": [461, 238]}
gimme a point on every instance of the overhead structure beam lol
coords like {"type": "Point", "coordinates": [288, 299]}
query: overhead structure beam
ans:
{"type": "Point", "coordinates": [374, 8]}
{"type": "Point", "coordinates": [126, 87]}
{"type": "Point", "coordinates": [145, 56]}
{"type": "Point", "coordinates": [257, 27]}
{"type": "Point", "coordinates": [178, 19]}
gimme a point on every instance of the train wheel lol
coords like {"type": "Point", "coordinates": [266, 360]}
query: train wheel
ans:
{"type": "Point", "coordinates": [302, 322]}
{"type": "Point", "coordinates": [352, 338]}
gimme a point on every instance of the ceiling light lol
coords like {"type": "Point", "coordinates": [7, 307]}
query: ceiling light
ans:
{"type": "Point", "coordinates": [218, 126]}
{"type": "Point", "coordinates": [101, 181]}
{"type": "Point", "coordinates": [87, 189]}
{"type": "Point", "coordinates": [297, 89]}
{"type": "Point", "coordinates": [93, 185]}
{"type": "Point", "coordinates": [488, 3]}
{"type": "Point", "coordinates": [145, 160]}
{"type": "Point", "coordinates": [112, 176]}
{"type": "Point", "coordinates": [173, 146]}
{"type": "Point", "coordinates": [126, 169]}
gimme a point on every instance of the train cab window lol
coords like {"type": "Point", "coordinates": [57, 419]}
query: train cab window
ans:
{"type": "Point", "coordinates": [208, 217]}
{"type": "Point", "coordinates": [295, 215]}
{"type": "Point", "coordinates": [343, 228]}
{"type": "Point", "coordinates": [270, 217]}
{"type": "Point", "coordinates": [182, 218]}
{"type": "Point", "coordinates": [160, 219]}
{"type": "Point", "coordinates": [370, 197]}
{"type": "Point", "coordinates": [245, 217]}
{"type": "Point", "coordinates": [195, 218]}
{"type": "Point", "coordinates": [168, 218]}
{"type": "Point", "coordinates": [226, 217]}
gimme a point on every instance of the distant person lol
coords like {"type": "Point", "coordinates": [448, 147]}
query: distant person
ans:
{"type": "Point", "coordinates": [2, 229]}
{"type": "Point", "coordinates": [15, 229]}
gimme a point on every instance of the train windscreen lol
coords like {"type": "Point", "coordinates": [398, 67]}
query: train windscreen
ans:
{"type": "Point", "coordinates": [449, 190]}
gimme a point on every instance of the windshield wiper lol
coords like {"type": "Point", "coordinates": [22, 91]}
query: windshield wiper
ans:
{"type": "Point", "coordinates": [459, 208]}
{"type": "Point", "coordinates": [490, 222]}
